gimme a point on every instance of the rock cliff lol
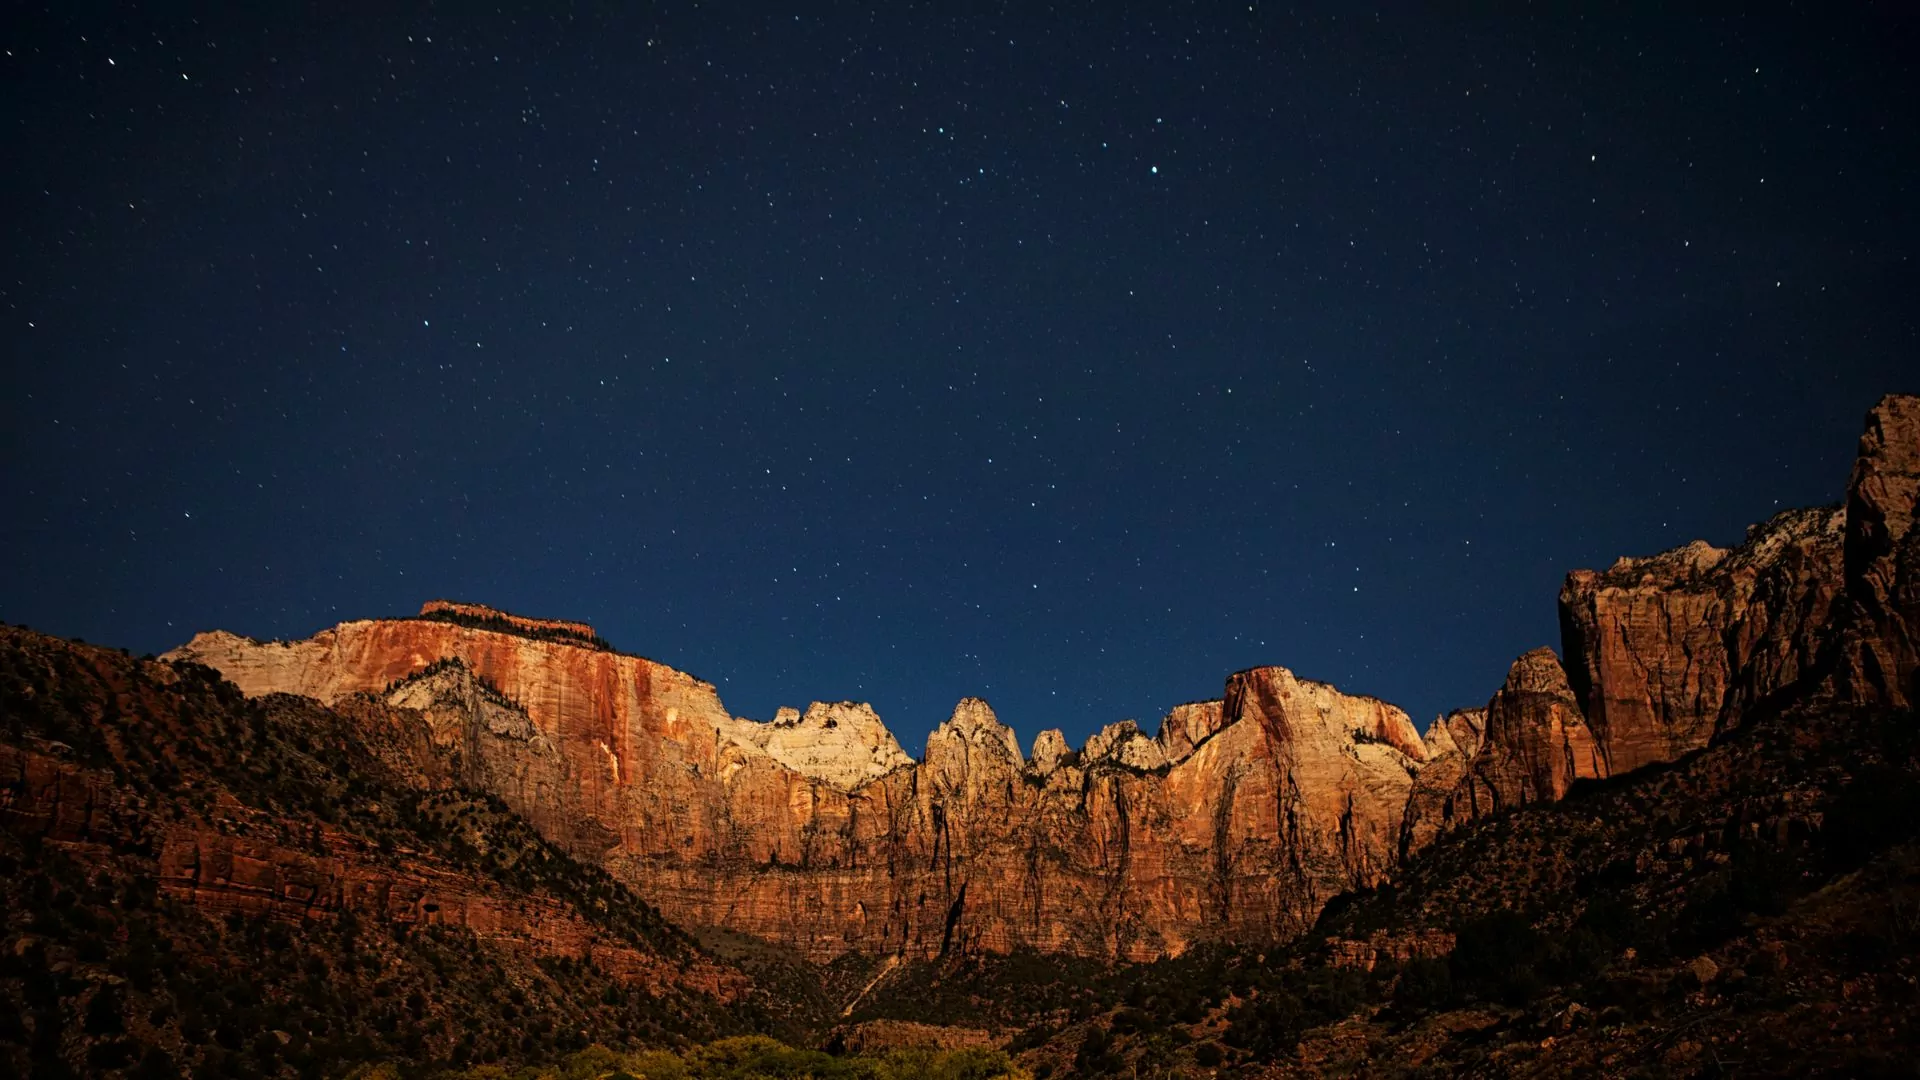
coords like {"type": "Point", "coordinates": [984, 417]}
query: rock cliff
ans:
{"type": "Point", "coordinates": [1667, 651]}
{"type": "Point", "coordinates": [1239, 820]}
{"type": "Point", "coordinates": [1880, 654]}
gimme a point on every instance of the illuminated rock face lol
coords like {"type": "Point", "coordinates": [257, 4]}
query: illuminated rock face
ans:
{"type": "Point", "coordinates": [1669, 650]}
{"type": "Point", "coordinates": [1880, 660]}
{"type": "Point", "coordinates": [1239, 821]}
{"type": "Point", "coordinates": [1666, 652]}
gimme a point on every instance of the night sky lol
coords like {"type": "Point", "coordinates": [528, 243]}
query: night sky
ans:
{"type": "Point", "coordinates": [1072, 362]}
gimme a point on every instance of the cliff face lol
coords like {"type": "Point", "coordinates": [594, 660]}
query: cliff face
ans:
{"type": "Point", "coordinates": [1674, 649]}
{"type": "Point", "coordinates": [1669, 650]}
{"type": "Point", "coordinates": [1881, 654]}
{"type": "Point", "coordinates": [1239, 820]}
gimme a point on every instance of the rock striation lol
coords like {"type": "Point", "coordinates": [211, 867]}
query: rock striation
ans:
{"type": "Point", "coordinates": [1239, 820]}
{"type": "Point", "coordinates": [1670, 650]}
{"type": "Point", "coordinates": [1880, 658]}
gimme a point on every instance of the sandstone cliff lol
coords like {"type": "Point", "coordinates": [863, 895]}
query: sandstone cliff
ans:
{"type": "Point", "coordinates": [1239, 820]}
{"type": "Point", "coordinates": [1669, 650]}
{"type": "Point", "coordinates": [1881, 650]}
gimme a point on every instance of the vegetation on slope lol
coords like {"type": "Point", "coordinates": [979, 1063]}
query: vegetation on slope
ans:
{"type": "Point", "coordinates": [500, 624]}
{"type": "Point", "coordinates": [104, 970]}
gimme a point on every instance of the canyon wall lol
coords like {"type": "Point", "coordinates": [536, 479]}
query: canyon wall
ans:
{"type": "Point", "coordinates": [1239, 821]}
{"type": "Point", "coordinates": [1668, 652]}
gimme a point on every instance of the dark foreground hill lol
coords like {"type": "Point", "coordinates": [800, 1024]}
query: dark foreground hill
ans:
{"type": "Point", "coordinates": [195, 881]}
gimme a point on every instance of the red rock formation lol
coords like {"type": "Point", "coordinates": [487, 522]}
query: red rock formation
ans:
{"type": "Point", "coordinates": [1239, 821]}
{"type": "Point", "coordinates": [1536, 742]}
{"type": "Point", "coordinates": [1187, 726]}
{"type": "Point", "coordinates": [1881, 656]}
{"type": "Point", "coordinates": [1669, 650]}
{"type": "Point", "coordinates": [1528, 745]}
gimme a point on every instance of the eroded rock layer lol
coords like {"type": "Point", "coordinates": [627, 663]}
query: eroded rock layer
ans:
{"type": "Point", "coordinates": [815, 829]}
{"type": "Point", "coordinates": [1669, 650]}
{"type": "Point", "coordinates": [1880, 658]}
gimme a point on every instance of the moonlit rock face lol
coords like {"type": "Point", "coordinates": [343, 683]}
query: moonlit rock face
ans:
{"type": "Point", "coordinates": [1049, 750]}
{"type": "Point", "coordinates": [842, 743]}
{"type": "Point", "coordinates": [1537, 742]}
{"type": "Point", "coordinates": [1123, 742]}
{"type": "Point", "coordinates": [1186, 727]}
{"type": "Point", "coordinates": [974, 722]}
{"type": "Point", "coordinates": [815, 830]}
{"type": "Point", "coordinates": [1667, 650]}
{"type": "Point", "coordinates": [1881, 663]}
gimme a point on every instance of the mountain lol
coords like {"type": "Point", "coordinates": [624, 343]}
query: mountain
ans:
{"type": "Point", "coordinates": [1698, 856]}
{"type": "Point", "coordinates": [1235, 822]}
{"type": "Point", "coordinates": [816, 830]}
{"type": "Point", "coordinates": [1686, 841]}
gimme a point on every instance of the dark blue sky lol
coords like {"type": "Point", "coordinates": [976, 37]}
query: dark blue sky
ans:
{"type": "Point", "coordinates": [1072, 362]}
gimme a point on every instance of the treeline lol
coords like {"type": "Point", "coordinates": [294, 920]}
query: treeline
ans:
{"type": "Point", "coordinates": [502, 625]}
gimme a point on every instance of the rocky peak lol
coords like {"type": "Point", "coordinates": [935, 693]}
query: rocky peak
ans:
{"type": "Point", "coordinates": [1352, 718]}
{"type": "Point", "coordinates": [1187, 726]}
{"type": "Point", "coordinates": [1123, 743]}
{"type": "Point", "coordinates": [1882, 557]}
{"type": "Point", "coordinates": [1458, 732]}
{"type": "Point", "coordinates": [1537, 741]}
{"type": "Point", "coordinates": [842, 743]}
{"type": "Point", "coordinates": [1050, 749]}
{"type": "Point", "coordinates": [973, 726]}
{"type": "Point", "coordinates": [1537, 672]}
